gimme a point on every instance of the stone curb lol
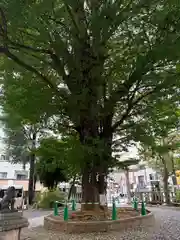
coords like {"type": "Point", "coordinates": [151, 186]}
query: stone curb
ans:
{"type": "Point", "coordinates": [57, 224]}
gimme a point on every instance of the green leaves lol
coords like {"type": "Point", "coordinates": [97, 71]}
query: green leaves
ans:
{"type": "Point", "coordinates": [73, 63]}
{"type": "Point", "coordinates": [27, 96]}
{"type": "Point", "coordinates": [65, 154]}
{"type": "Point", "coordinates": [55, 163]}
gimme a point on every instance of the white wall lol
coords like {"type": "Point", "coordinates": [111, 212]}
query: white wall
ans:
{"type": "Point", "coordinates": [5, 165]}
{"type": "Point", "coordinates": [11, 169]}
{"type": "Point", "coordinates": [2, 145]}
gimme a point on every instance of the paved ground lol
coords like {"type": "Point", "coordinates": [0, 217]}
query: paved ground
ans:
{"type": "Point", "coordinates": [34, 213]}
{"type": "Point", "coordinates": [167, 228]}
{"type": "Point", "coordinates": [35, 217]}
{"type": "Point", "coordinates": [167, 223]}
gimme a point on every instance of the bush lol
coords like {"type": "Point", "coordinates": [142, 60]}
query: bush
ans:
{"type": "Point", "coordinates": [178, 196]}
{"type": "Point", "coordinates": [46, 199]}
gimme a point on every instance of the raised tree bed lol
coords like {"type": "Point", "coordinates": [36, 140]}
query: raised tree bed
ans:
{"type": "Point", "coordinates": [83, 222]}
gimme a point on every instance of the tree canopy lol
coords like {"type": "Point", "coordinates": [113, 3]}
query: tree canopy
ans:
{"type": "Point", "coordinates": [101, 65]}
{"type": "Point", "coordinates": [136, 50]}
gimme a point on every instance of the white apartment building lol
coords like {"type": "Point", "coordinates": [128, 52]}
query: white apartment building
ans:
{"type": "Point", "coordinates": [7, 169]}
{"type": "Point", "coordinates": [11, 173]}
{"type": "Point", "coordinates": [140, 176]}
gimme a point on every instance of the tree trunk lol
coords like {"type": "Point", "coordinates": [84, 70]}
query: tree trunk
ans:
{"type": "Point", "coordinates": [165, 181]}
{"type": "Point", "coordinates": [71, 188]}
{"type": "Point", "coordinates": [31, 186]}
{"type": "Point", "coordinates": [31, 179]}
{"type": "Point", "coordinates": [102, 182]}
{"type": "Point", "coordinates": [96, 159]}
{"type": "Point", "coordinates": [128, 185]}
{"type": "Point", "coordinates": [106, 161]}
{"type": "Point", "coordinates": [90, 193]}
{"type": "Point", "coordinates": [166, 187]}
{"type": "Point", "coordinates": [35, 180]}
{"type": "Point", "coordinates": [94, 183]}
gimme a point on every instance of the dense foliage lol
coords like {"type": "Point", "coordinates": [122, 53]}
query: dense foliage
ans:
{"type": "Point", "coordinates": [58, 160]}
{"type": "Point", "coordinates": [46, 199]}
{"type": "Point", "coordinates": [99, 67]}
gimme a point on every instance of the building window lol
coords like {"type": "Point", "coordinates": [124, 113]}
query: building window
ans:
{"type": "Point", "coordinates": [141, 181]}
{"type": "Point", "coordinates": [151, 176]}
{"type": "Point", "coordinates": [3, 175]}
{"type": "Point", "coordinates": [21, 177]}
{"type": "Point", "coordinates": [3, 157]}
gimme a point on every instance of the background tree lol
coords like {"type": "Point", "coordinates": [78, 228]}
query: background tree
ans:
{"type": "Point", "coordinates": [22, 135]}
{"type": "Point", "coordinates": [16, 146]}
{"type": "Point", "coordinates": [102, 75]}
{"type": "Point", "coordinates": [21, 140]}
{"type": "Point", "coordinates": [49, 173]}
{"type": "Point", "coordinates": [60, 153]}
{"type": "Point", "coordinates": [162, 143]}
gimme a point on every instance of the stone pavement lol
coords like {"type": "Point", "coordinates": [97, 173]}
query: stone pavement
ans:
{"type": "Point", "coordinates": [167, 228]}
{"type": "Point", "coordinates": [35, 217]}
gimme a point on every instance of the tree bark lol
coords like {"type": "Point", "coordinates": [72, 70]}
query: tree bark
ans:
{"type": "Point", "coordinates": [166, 187]}
{"type": "Point", "coordinates": [90, 193]}
{"type": "Point", "coordinates": [31, 186]}
{"type": "Point", "coordinates": [31, 179]}
{"type": "Point", "coordinates": [35, 180]}
{"type": "Point", "coordinates": [96, 161]}
{"type": "Point", "coordinates": [128, 185]}
{"type": "Point", "coordinates": [94, 182]}
{"type": "Point", "coordinates": [165, 181]}
{"type": "Point", "coordinates": [71, 188]}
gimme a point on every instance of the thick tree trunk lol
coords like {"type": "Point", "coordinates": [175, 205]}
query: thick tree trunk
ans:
{"type": "Point", "coordinates": [106, 161]}
{"type": "Point", "coordinates": [96, 160]}
{"type": "Point", "coordinates": [90, 193]}
{"type": "Point", "coordinates": [94, 184]}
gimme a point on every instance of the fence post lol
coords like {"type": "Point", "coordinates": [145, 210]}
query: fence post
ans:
{"type": "Point", "coordinates": [56, 208]}
{"type": "Point", "coordinates": [73, 205]}
{"type": "Point", "coordinates": [143, 209]}
{"type": "Point", "coordinates": [114, 211]}
{"type": "Point", "coordinates": [135, 204]}
{"type": "Point", "coordinates": [66, 214]}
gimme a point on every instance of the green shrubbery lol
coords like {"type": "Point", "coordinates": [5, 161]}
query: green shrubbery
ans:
{"type": "Point", "coordinates": [46, 199]}
{"type": "Point", "coordinates": [178, 196]}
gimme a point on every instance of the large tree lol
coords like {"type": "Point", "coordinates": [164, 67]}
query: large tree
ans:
{"type": "Point", "coordinates": [101, 60]}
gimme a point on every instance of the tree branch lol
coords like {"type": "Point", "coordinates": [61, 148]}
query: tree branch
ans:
{"type": "Point", "coordinates": [129, 108]}
{"type": "Point", "coordinates": [37, 50]}
{"type": "Point", "coordinates": [3, 26]}
{"type": "Point", "coordinates": [31, 69]}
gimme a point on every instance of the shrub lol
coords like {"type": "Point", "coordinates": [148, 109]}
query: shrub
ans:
{"type": "Point", "coordinates": [178, 196]}
{"type": "Point", "coordinates": [46, 199]}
